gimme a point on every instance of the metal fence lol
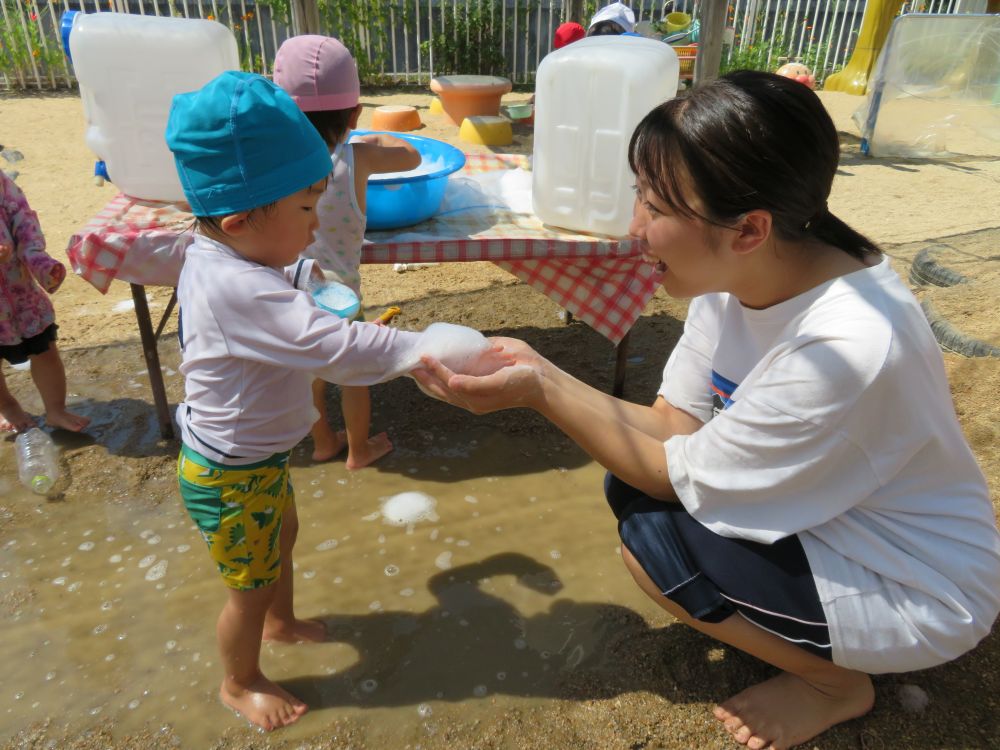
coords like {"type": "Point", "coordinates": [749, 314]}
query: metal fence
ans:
{"type": "Point", "coordinates": [409, 41]}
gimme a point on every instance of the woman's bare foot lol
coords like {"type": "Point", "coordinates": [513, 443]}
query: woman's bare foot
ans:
{"type": "Point", "coordinates": [375, 447]}
{"type": "Point", "coordinates": [13, 418]}
{"type": "Point", "coordinates": [262, 703]}
{"type": "Point", "coordinates": [787, 710]}
{"type": "Point", "coordinates": [66, 420]}
{"type": "Point", "coordinates": [327, 443]}
{"type": "Point", "coordinates": [300, 631]}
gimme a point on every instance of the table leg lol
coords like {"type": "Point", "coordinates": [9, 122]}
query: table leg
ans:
{"type": "Point", "coordinates": [152, 356]}
{"type": "Point", "coordinates": [621, 359]}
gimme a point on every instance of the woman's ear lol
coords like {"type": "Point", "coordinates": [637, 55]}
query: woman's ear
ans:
{"type": "Point", "coordinates": [355, 116]}
{"type": "Point", "coordinates": [753, 229]}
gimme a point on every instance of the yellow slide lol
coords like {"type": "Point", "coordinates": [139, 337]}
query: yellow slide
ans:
{"type": "Point", "coordinates": [874, 29]}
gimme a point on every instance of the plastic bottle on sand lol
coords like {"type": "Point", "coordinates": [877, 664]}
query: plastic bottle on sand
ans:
{"type": "Point", "coordinates": [37, 460]}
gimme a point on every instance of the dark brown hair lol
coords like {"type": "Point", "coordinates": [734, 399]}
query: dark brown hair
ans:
{"type": "Point", "coordinates": [332, 124]}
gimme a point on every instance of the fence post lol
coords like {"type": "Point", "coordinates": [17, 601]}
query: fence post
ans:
{"type": "Point", "coordinates": [713, 27]}
{"type": "Point", "coordinates": [305, 16]}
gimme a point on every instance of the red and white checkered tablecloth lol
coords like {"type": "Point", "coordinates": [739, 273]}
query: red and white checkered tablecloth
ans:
{"type": "Point", "coordinates": [603, 282]}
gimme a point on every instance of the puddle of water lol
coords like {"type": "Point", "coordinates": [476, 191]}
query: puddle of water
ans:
{"type": "Point", "coordinates": [490, 599]}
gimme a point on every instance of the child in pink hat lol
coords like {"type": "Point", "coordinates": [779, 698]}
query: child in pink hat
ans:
{"type": "Point", "coordinates": [319, 73]}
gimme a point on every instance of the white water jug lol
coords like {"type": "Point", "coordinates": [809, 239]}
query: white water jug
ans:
{"type": "Point", "coordinates": [589, 97]}
{"type": "Point", "coordinates": [129, 67]}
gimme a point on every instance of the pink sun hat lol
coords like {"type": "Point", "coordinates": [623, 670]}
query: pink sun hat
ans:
{"type": "Point", "coordinates": [318, 72]}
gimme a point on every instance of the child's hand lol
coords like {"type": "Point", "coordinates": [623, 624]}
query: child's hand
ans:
{"type": "Point", "coordinates": [56, 276]}
{"type": "Point", "coordinates": [6, 252]}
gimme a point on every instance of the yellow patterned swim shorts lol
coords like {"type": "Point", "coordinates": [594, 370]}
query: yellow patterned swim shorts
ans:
{"type": "Point", "coordinates": [238, 510]}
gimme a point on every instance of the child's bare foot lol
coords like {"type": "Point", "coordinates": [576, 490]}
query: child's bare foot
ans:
{"type": "Point", "coordinates": [300, 631]}
{"type": "Point", "coordinates": [375, 447]}
{"type": "Point", "coordinates": [787, 710]}
{"type": "Point", "coordinates": [263, 703]}
{"type": "Point", "coordinates": [13, 418]}
{"type": "Point", "coordinates": [327, 444]}
{"type": "Point", "coordinates": [66, 420]}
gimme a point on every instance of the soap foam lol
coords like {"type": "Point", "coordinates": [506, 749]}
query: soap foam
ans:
{"type": "Point", "coordinates": [408, 508]}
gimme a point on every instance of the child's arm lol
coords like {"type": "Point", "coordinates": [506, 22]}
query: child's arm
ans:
{"type": "Point", "coordinates": [29, 242]}
{"type": "Point", "coordinates": [379, 153]}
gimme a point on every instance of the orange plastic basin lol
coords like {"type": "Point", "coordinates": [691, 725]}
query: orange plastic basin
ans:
{"type": "Point", "coordinates": [468, 96]}
{"type": "Point", "coordinates": [396, 117]}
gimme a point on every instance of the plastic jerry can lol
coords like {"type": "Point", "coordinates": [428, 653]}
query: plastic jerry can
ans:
{"type": "Point", "coordinates": [589, 97]}
{"type": "Point", "coordinates": [129, 68]}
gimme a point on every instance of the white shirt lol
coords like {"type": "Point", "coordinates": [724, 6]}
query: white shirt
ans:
{"type": "Point", "coordinates": [252, 344]}
{"type": "Point", "coordinates": [829, 416]}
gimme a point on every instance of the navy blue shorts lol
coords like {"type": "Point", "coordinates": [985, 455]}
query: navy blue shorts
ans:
{"type": "Point", "coordinates": [712, 577]}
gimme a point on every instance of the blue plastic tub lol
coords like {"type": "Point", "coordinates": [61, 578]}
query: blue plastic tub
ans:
{"type": "Point", "coordinates": [401, 201]}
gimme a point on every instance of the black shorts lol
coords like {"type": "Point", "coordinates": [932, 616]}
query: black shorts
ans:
{"type": "Point", "coordinates": [39, 344]}
{"type": "Point", "coordinates": [712, 577]}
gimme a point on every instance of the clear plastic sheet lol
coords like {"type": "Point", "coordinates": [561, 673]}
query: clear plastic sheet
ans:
{"type": "Point", "coordinates": [935, 92]}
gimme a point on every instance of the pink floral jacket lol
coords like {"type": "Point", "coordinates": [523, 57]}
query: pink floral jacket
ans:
{"type": "Point", "coordinates": [25, 269]}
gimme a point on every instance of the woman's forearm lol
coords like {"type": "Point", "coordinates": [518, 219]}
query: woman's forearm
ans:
{"type": "Point", "coordinates": [625, 438]}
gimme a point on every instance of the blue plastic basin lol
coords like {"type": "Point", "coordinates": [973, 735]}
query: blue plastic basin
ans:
{"type": "Point", "coordinates": [403, 201]}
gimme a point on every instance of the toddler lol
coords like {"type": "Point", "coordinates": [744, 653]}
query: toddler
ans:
{"type": "Point", "coordinates": [321, 76]}
{"type": "Point", "coordinates": [253, 170]}
{"type": "Point", "coordinates": [27, 318]}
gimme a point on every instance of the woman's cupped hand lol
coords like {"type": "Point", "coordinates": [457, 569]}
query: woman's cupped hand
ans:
{"type": "Point", "coordinates": [507, 375]}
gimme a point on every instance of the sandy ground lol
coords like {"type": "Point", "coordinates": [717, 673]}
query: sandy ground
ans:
{"type": "Point", "coordinates": [904, 204]}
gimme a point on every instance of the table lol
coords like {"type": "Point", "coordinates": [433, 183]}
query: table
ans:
{"type": "Point", "coordinates": [602, 281]}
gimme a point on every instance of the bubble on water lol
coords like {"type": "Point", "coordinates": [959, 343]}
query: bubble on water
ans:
{"type": "Point", "coordinates": [479, 691]}
{"type": "Point", "coordinates": [443, 561]}
{"type": "Point", "coordinates": [501, 676]}
{"type": "Point", "coordinates": [375, 606]}
{"type": "Point", "coordinates": [424, 710]}
{"type": "Point", "coordinates": [115, 559]}
{"type": "Point", "coordinates": [60, 581]}
{"type": "Point", "coordinates": [369, 685]}
{"type": "Point", "coordinates": [171, 645]}
{"type": "Point", "coordinates": [555, 554]}
{"type": "Point", "coordinates": [338, 579]}
{"type": "Point", "coordinates": [75, 586]}
{"type": "Point", "coordinates": [372, 516]}
{"type": "Point", "coordinates": [520, 644]}
{"type": "Point", "coordinates": [182, 548]}
{"type": "Point", "coordinates": [532, 499]}
{"type": "Point", "coordinates": [147, 561]}
{"type": "Point", "coordinates": [155, 539]}
{"type": "Point", "coordinates": [67, 561]}
{"type": "Point", "coordinates": [157, 572]}
{"type": "Point", "coordinates": [408, 508]}
{"type": "Point", "coordinates": [145, 533]}
{"type": "Point", "coordinates": [98, 629]}
{"type": "Point", "coordinates": [309, 574]}
{"type": "Point", "coordinates": [462, 543]}
{"type": "Point", "coordinates": [471, 499]}
{"type": "Point", "coordinates": [406, 592]}
{"type": "Point", "coordinates": [318, 493]}
{"type": "Point", "coordinates": [96, 710]}
{"type": "Point", "coordinates": [449, 539]}
{"type": "Point", "coordinates": [86, 546]}
{"type": "Point", "coordinates": [50, 676]}
{"type": "Point", "coordinates": [109, 657]}
{"type": "Point", "coordinates": [434, 534]}
{"type": "Point", "coordinates": [134, 704]}
{"type": "Point", "coordinates": [121, 636]}
{"type": "Point", "coordinates": [18, 696]}
{"type": "Point", "coordinates": [391, 570]}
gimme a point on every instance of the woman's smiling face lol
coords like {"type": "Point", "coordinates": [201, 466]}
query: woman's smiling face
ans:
{"type": "Point", "coordinates": [689, 251]}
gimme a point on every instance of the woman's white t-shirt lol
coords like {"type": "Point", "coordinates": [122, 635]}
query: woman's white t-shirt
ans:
{"type": "Point", "coordinates": [829, 416]}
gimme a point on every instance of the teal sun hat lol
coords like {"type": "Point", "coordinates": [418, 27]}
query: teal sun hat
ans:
{"type": "Point", "coordinates": [240, 142]}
